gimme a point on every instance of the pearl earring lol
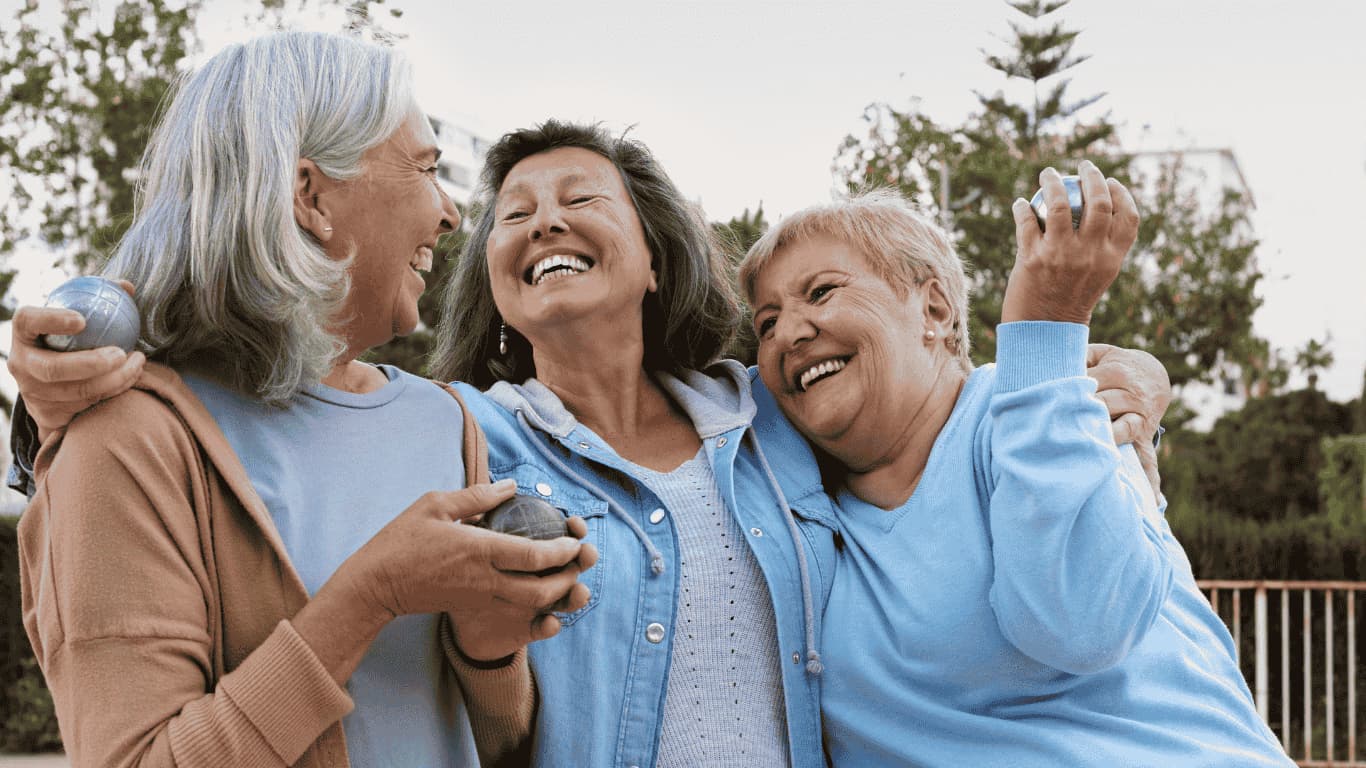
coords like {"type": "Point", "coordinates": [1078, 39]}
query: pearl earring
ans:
{"type": "Point", "coordinates": [929, 335]}
{"type": "Point", "coordinates": [502, 338]}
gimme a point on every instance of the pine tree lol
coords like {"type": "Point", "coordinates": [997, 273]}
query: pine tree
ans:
{"type": "Point", "coordinates": [1186, 291]}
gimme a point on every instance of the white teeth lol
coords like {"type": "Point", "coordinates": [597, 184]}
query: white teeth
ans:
{"type": "Point", "coordinates": [422, 261]}
{"type": "Point", "coordinates": [574, 264]}
{"type": "Point", "coordinates": [819, 370]}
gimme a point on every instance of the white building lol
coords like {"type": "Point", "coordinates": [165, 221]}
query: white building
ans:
{"type": "Point", "coordinates": [462, 155]}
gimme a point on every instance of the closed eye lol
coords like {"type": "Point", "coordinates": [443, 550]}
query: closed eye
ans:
{"type": "Point", "coordinates": [514, 215]}
{"type": "Point", "coordinates": [820, 292]}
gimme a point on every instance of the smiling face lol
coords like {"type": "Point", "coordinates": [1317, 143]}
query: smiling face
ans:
{"type": "Point", "coordinates": [842, 352]}
{"type": "Point", "coordinates": [390, 218]}
{"type": "Point", "coordinates": [567, 246]}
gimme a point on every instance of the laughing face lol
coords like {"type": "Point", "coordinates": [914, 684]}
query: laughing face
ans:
{"type": "Point", "coordinates": [567, 246]}
{"type": "Point", "coordinates": [839, 348]}
{"type": "Point", "coordinates": [390, 218]}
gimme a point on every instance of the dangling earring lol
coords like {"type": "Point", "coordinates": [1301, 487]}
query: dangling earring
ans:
{"type": "Point", "coordinates": [502, 338]}
{"type": "Point", "coordinates": [929, 335]}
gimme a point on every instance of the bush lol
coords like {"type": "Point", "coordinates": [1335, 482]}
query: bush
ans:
{"type": "Point", "coordinates": [1342, 482]}
{"type": "Point", "coordinates": [30, 723]}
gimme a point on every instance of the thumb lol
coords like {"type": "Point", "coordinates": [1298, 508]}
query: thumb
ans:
{"type": "Point", "coordinates": [477, 499]}
{"type": "Point", "coordinates": [127, 288]}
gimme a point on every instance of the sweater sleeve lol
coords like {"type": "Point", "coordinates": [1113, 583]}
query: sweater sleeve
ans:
{"type": "Point", "coordinates": [1081, 569]}
{"type": "Point", "coordinates": [501, 702]}
{"type": "Point", "coordinates": [119, 606]}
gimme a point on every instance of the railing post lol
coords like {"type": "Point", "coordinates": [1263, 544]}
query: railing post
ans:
{"type": "Point", "coordinates": [1263, 692]}
{"type": "Point", "coordinates": [1328, 668]}
{"type": "Point", "coordinates": [1351, 675]}
{"type": "Point", "coordinates": [1238, 628]}
{"type": "Point", "coordinates": [1308, 679]}
{"type": "Point", "coordinates": [1285, 669]}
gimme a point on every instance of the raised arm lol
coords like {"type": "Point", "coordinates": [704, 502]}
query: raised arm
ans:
{"type": "Point", "coordinates": [1081, 572]}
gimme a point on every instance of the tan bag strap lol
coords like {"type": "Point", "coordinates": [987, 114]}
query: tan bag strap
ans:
{"type": "Point", "coordinates": [474, 449]}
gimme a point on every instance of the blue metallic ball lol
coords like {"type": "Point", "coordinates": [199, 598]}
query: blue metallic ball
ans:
{"type": "Point", "coordinates": [111, 317]}
{"type": "Point", "coordinates": [1073, 186]}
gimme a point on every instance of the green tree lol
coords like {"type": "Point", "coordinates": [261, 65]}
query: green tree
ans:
{"type": "Point", "coordinates": [1313, 357]}
{"type": "Point", "coordinates": [737, 236]}
{"type": "Point", "coordinates": [1186, 292]}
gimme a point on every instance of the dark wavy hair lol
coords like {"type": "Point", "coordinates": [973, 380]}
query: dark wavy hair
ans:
{"type": "Point", "coordinates": [688, 323]}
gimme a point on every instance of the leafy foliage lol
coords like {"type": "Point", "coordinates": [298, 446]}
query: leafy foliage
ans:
{"type": "Point", "coordinates": [1186, 292]}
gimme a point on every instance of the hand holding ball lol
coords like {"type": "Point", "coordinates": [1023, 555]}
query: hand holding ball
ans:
{"type": "Point", "coordinates": [527, 516]}
{"type": "Point", "coordinates": [111, 317]}
{"type": "Point", "coordinates": [1073, 186]}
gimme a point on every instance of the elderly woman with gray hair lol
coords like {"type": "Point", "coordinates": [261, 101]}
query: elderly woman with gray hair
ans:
{"type": "Point", "coordinates": [1008, 593]}
{"type": "Point", "coordinates": [243, 560]}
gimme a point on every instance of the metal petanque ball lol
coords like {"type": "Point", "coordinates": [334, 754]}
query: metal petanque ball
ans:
{"type": "Point", "coordinates": [111, 317]}
{"type": "Point", "coordinates": [527, 516]}
{"type": "Point", "coordinates": [1073, 186]}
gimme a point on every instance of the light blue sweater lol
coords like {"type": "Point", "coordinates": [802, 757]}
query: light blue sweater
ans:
{"type": "Point", "coordinates": [1028, 606]}
{"type": "Point", "coordinates": [334, 468]}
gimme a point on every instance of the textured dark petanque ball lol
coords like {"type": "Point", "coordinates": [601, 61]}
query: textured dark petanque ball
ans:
{"type": "Point", "coordinates": [527, 516]}
{"type": "Point", "coordinates": [1073, 186]}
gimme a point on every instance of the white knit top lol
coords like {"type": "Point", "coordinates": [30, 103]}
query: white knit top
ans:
{"type": "Point", "coordinates": [724, 705]}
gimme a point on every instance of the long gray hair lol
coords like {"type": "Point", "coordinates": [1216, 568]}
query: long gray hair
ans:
{"type": "Point", "coordinates": [224, 274]}
{"type": "Point", "coordinates": [688, 323]}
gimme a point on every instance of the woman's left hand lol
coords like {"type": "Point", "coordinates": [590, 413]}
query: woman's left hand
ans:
{"type": "Point", "coordinates": [497, 629]}
{"type": "Point", "coordinates": [1135, 388]}
{"type": "Point", "coordinates": [1061, 274]}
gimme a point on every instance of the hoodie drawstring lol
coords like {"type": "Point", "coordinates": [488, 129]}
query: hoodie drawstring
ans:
{"type": "Point", "coordinates": [656, 559]}
{"type": "Point", "coordinates": [813, 657]}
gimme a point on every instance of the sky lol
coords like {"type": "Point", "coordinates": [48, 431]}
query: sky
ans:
{"type": "Point", "coordinates": [746, 102]}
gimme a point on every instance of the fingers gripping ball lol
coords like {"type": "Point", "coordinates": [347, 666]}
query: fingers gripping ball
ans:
{"type": "Point", "coordinates": [527, 516]}
{"type": "Point", "coordinates": [1073, 186]}
{"type": "Point", "coordinates": [111, 317]}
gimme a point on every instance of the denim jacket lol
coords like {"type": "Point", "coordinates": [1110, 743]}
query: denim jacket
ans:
{"type": "Point", "coordinates": [602, 679]}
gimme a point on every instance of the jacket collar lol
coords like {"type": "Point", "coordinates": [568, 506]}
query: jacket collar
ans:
{"type": "Point", "coordinates": [716, 400]}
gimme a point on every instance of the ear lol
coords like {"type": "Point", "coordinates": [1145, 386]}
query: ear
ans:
{"type": "Point", "coordinates": [937, 310]}
{"type": "Point", "coordinates": [653, 286]}
{"type": "Point", "coordinates": [311, 209]}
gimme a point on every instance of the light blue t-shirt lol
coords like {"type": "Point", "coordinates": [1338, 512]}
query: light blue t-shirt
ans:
{"type": "Point", "coordinates": [1028, 607]}
{"type": "Point", "coordinates": [334, 468]}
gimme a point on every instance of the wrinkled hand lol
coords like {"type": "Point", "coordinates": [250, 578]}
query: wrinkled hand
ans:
{"type": "Point", "coordinates": [1135, 388]}
{"type": "Point", "coordinates": [1061, 274]}
{"type": "Point", "coordinates": [58, 385]}
{"type": "Point", "coordinates": [497, 629]}
{"type": "Point", "coordinates": [427, 560]}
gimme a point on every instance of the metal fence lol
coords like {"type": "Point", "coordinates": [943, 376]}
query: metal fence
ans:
{"type": "Point", "coordinates": [1312, 703]}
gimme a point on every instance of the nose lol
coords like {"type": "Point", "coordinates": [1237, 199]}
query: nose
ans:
{"type": "Point", "coordinates": [450, 215]}
{"type": "Point", "coordinates": [548, 220]}
{"type": "Point", "coordinates": [793, 327]}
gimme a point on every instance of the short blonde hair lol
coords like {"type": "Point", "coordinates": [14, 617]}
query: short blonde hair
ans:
{"type": "Point", "coordinates": [904, 247]}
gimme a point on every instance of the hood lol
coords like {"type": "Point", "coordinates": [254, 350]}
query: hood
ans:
{"type": "Point", "coordinates": [716, 400]}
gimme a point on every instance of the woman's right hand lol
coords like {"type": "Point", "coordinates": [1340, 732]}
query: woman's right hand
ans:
{"type": "Point", "coordinates": [428, 560]}
{"type": "Point", "coordinates": [58, 385]}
